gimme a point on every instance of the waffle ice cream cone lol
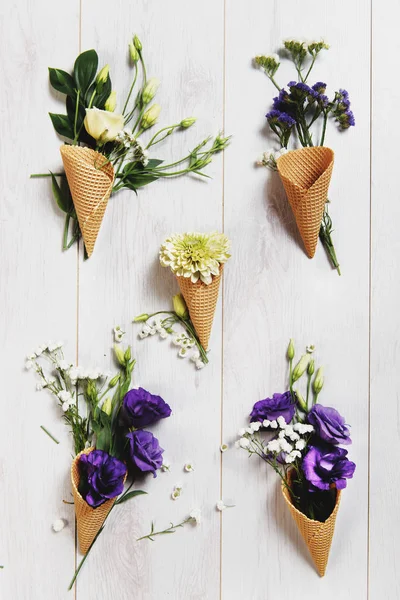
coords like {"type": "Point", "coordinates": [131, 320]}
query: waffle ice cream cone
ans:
{"type": "Point", "coordinates": [317, 536]}
{"type": "Point", "coordinates": [90, 178]}
{"type": "Point", "coordinates": [88, 519]}
{"type": "Point", "coordinates": [306, 174]}
{"type": "Point", "coordinates": [201, 300]}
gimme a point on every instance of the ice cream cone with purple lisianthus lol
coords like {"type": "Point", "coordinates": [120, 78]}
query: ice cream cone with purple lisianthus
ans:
{"type": "Point", "coordinates": [111, 442]}
{"type": "Point", "coordinates": [301, 440]}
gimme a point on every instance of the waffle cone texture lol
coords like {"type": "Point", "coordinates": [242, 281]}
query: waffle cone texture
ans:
{"type": "Point", "coordinates": [306, 174]}
{"type": "Point", "coordinates": [88, 519]}
{"type": "Point", "coordinates": [201, 300]}
{"type": "Point", "coordinates": [317, 536]}
{"type": "Point", "coordinates": [90, 178]}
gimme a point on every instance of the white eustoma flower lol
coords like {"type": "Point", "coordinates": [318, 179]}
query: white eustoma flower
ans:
{"type": "Point", "coordinates": [189, 468]}
{"type": "Point", "coordinates": [58, 525]}
{"type": "Point", "coordinates": [103, 125]}
{"type": "Point", "coordinates": [195, 514]}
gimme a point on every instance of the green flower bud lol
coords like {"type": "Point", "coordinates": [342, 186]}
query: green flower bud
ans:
{"type": "Point", "coordinates": [290, 350]}
{"type": "Point", "coordinates": [111, 102]}
{"type": "Point", "coordinates": [318, 381]}
{"type": "Point", "coordinates": [185, 123]}
{"type": "Point", "coordinates": [180, 306]}
{"type": "Point", "coordinates": [150, 89]}
{"type": "Point", "coordinates": [301, 401]}
{"type": "Point", "coordinates": [128, 354]}
{"type": "Point", "coordinates": [300, 367]}
{"type": "Point", "coordinates": [311, 367]}
{"type": "Point", "coordinates": [103, 74]}
{"type": "Point", "coordinates": [119, 354]}
{"type": "Point", "coordinates": [113, 382]}
{"type": "Point", "coordinates": [141, 318]}
{"type": "Point", "coordinates": [150, 116]}
{"type": "Point", "coordinates": [133, 53]}
{"type": "Point", "coordinates": [137, 43]}
{"type": "Point", "coordinates": [107, 406]}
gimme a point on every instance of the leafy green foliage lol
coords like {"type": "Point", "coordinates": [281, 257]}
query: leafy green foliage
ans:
{"type": "Point", "coordinates": [85, 69]}
{"type": "Point", "coordinates": [62, 125]}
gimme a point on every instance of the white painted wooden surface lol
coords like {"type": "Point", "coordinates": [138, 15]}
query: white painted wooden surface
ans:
{"type": "Point", "coordinates": [202, 54]}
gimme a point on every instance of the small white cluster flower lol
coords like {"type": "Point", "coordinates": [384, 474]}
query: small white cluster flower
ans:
{"type": "Point", "coordinates": [40, 386]}
{"type": "Point", "coordinates": [66, 399]}
{"type": "Point", "coordinates": [269, 158]}
{"type": "Point", "coordinates": [177, 491]}
{"type": "Point", "coordinates": [127, 139]}
{"type": "Point", "coordinates": [222, 506]}
{"type": "Point", "coordinates": [80, 373]}
{"type": "Point", "coordinates": [224, 447]}
{"type": "Point", "coordinates": [58, 525]}
{"type": "Point", "coordinates": [303, 428]}
{"type": "Point", "coordinates": [195, 515]}
{"type": "Point", "coordinates": [118, 334]}
{"type": "Point", "coordinates": [152, 328]}
{"type": "Point", "coordinates": [189, 467]}
{"type": "Point", "coordinates": [310, 348]}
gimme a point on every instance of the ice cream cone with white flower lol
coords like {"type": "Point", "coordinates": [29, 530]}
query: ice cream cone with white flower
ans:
{"type": "Point", "coordinates": [306, 174]}
{"type": "Point", "coordinates": [197, 261]}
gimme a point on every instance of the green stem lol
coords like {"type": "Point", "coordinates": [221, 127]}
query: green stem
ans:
{"type": "Point", "coordinates": [274, 82]}
{"type": "Point", "coordinates": [324, 129]}
{"type": "Point", "coordinates": [171, 529]}
{"type": "Point", "coordinates": [37, 175]}
{"type": "Point", "coordinates": [152, 142]}
{"type": "Point", "coordinates": [310, 69]}
{"type": "Point", "coordinates": [308, 388]}
{"type": "Point", "coordinates": [49, 434]}
{"type": "Point", "coordinates": [76, 134]}
{"type": "Point", "coordinates": [131, 89]}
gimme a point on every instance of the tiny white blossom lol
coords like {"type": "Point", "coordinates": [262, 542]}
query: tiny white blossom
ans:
{"type": "Point", "coordinates": [255, 426]}
{"type": "Point", "coordinates": [224, 447]}
{"type": "Point", "coordinates": [241, 432]}
{"type": "Point", "coordinates": [195, 515]}
{"type": "Point", "coordinates": [64, 396]}
{"type": "Point", "coordinates": [249, 430]}
{"type": "Point", "coordinates": [221, 505]}
{"type": "Point", "coordinates": [273, 446]}
{"type": "Point", "coordinates": [300, 445]}
{"type": "Point", "coordinates": [281, 422]}
{"type": "Point", "coordinates": [31, 356]}
{"type": "Point", "coordinates": [175, 494]}
{"type": "Point", "coordinates": [29, 365]}
{"type": "Point", "coordinates": [195, 356]}
{"type": "Point", "coordinates": [244, 442]}
{"type": "Point", "coordinates": [178, 487]}
{"type": "Point", "coordinates": [273, 424]}
{"type": "Point", "coordinates": [58, 525]}
{"type": "Point", "coordinates": [286, 447]}
{"type": "Point", "coordinates": [166, 466]}
{"type": "Point", "coordinates": [64, 365]}
{"type": "Point", "coordinates": [189, 468]}
{"type": "Point", "coordinates": [182, 353]}
{"type": "Point", "coordinates": [199, 364]}
{"type": "Point", "coordinates": [266, 423]}
{"type": "Point", "coordinates": [38, 351]}
{"type": "Point", "coordinates": [143, 335]}
{"type": "Point", "coordinates": [163, 333]}
{"type": "Point", "coordinates": [310, 349]}
{"type": "Point", "coordinates": [39, 387]}
{"type": "Point", "coordinates": [65, 406]}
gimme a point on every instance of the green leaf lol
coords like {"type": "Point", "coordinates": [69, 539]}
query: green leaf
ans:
{"type": "Point", "coordinates": [100, 97]}
{"type": "Point", "coordinates": [85, 69]}
{"type": "Point", "coordinates": [138, 180]}
{"type": "Point", "coordinates": [130, 495]}
{"type": "Point", "coordinates": [62, 125]}
{"type": "Point", "coordinates": [62, 81]}
{"type": "Point", "coordinates": [153, 162]}
{"type": "Point", "coordinates": [61, 195]}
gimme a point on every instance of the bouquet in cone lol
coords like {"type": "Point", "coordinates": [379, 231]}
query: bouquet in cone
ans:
{"type": "Point", "coordinates": [197, 261]}
{"type": "Point", "coordinates": [110, 442]}
{"type": "Point", "coordinates": [302, 441]}
{"type": "Point", "coordinates": [300, 114]}
{"type": "Point", "coordinates": [108, 149]}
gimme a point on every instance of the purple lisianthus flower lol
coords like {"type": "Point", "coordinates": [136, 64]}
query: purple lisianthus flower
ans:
{"type": "Point", "coordinates": [327, 465]}
{"type": "Point", "coordinates": [140, 409]}
{"type": "Point", "coordinates": [329, 425]}
{"type": "Point", "coordinates": [145, 451]}
{"type": "Point", "coordinates": [280, 405]}
{"type": "Point", "coordinates": [101, 477]}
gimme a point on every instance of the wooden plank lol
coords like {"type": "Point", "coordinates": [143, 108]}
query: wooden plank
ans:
{"type": "Point", "coordinates": [385, 326]}
{"type": "Point", "coordinates": [38, 303]}
{"type": "Point", "coordinates": [274, 292]}
{"type": "Point", "coordinates": [123, 278]}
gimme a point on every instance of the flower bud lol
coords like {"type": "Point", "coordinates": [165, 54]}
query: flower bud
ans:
{"type": "Point", "coordinates": [185, 123]}
{"type": "Point", "coordinates": [137, 43]}
{"type": "Point", "coordinates": [128, 354]}
{"type": "Point", "coordinates": [150, 89]}
{"type": "Point", "coordinates": [142, 317]}
{"type": "Point", "coordinates": [119, 355]}
{"type": "Point", "coordinates": [103, 74]}
{"type": "Point", "coordinates": [113, 382]}
{"type": "Point", "coordinates": [107, 406]}
{"type": "Point", "coordinates": [301, 402]}
{"type": "Point", "coordinates": [180, 306]}
{"type": "Point", "coordinates": [318, 381]}
{"type": "Point", "coordinates": [133, 53]}
{"type": "Point", "coordinates": [111, 102]}
{"type": "Point", "coordinates": [311, 367]}
{"type": "Point", "coordinates": [290, 350]}
{"type": "Point", "coordinates": [300, 367]}
{"type": "Point", "coordinates": [150, 116]}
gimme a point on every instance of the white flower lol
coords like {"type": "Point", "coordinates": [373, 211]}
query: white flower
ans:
{"type": "Point", "coordinates": [199, 364]}
{"type": "Point", "coordinates": [189, 468]}
{"type": "Point", "coordinates": [163, 333]}
{"type": "Point", "coordinates": [285, 446]}
{"type": "Point", "coordinates": [266, 423]}
{"type": "Point", "coordinates": [310, 349]}
{"type": "Point", "coordinates": [249, 430]}
{"type": "Point", "coordinates": [64, 396]}
{"type": "Point", "coordinates": [255, 426]}
{"type": "Point", "coordinates": [241, 432]}
{"type": "Point", "coordinates": [175, 494]}
{"type": "Point", "coordinates": [221, 505]}
{"type": "Point", "coordinates": [178, 487]}
{"type": "Point", "coordinates": [303, 428]}
{"type": "Point", "coordinates": [182, 353]}
{"type": "Point", "coordinates": [39, 387]}
{"type": "Point", "coordinates": [65, 406]}
{"type": "Point", "coordinates": [244, 442]}
{"type": "Point", "coordinates": [282, 434]}
{"type": "Point", "coordinates": [224, 447]}
{"type": "Point", "coordinates": [31, 356]}
{"type": "Point", "coordinates": [273, 424]}
{"type": "Point", "coordinates": [291, 457]}
{"type": "Point", "coordinates": [166, 466]}
{"type": "Point", "coordinates": [300, 445]}
{"type": "Point", "coordinates": [118, 334]}
{"type": "Point", "coordinates": [29, 365]}
{"type": "Point", "coordinates": [73, 373]}
{"type": "Point", "coordinates": [143, 334]}
{"type": "Point", "coordinates": [281, 422]}
{"type": "Point", "coordinates": [93, 375]}
{"type": "Point", "coordinates": [195, 515]}
{"type": "Point", "coordinates": [195, 356]}
{"type": "Point", "coordinates": [64, 365]}
{"type": "Point", "coordinates": [58, 525]}
{"type": "Point", "coordinates": [38, 351]}
{"type": "Point", "coordinates": [103, 125]}
{"type": "Point", "coordinates": [273, 446]}
{"type": "Point", "coordinates": [293, 436]}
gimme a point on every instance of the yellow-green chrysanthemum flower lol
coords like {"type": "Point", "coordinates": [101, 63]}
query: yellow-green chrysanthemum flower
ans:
{"type": "Point", "coordinates": [195, 255]}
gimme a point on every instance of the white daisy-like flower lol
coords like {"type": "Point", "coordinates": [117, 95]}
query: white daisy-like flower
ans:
{"type": "Point", "coordinates": [183, 353]}
{"type": "Point", "coordinates": [58, 525]}
{"type": "Point", "coordinates": [195, 515]}
{"type": "Point", "coordinates": [224, 447]}
{"type": "Point", "coordinates": [175, 494]}
{"type": "Point", "coordinates": [189, 467]}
